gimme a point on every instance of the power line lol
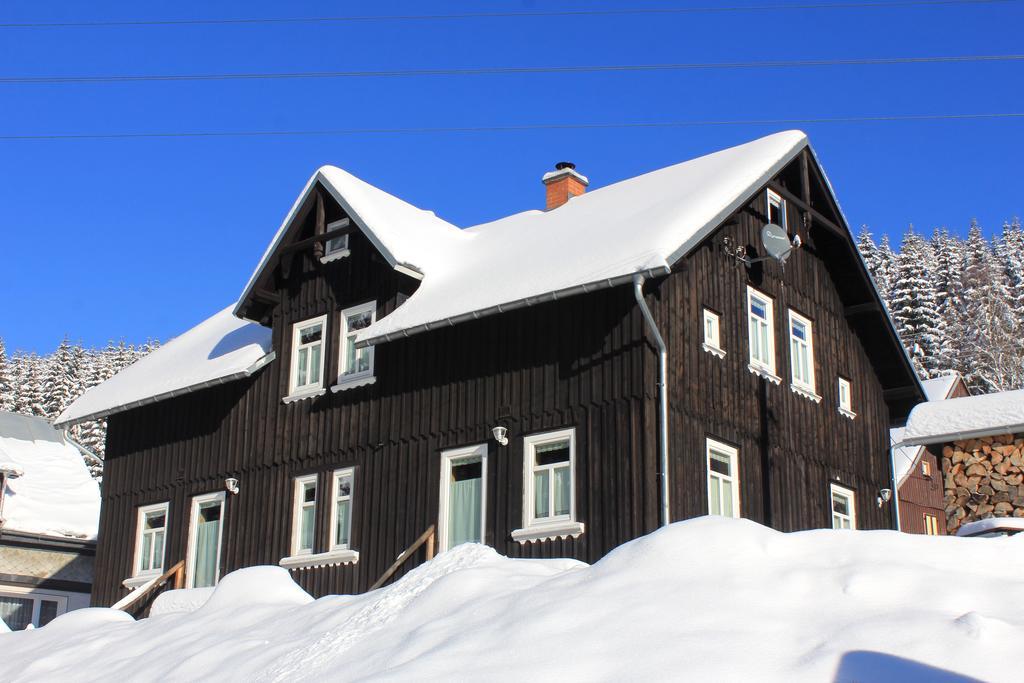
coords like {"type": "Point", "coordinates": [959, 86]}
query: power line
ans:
{"type": "Point", "coordinates": [655, 11]}
{"type": "Point", "coordinates": [515, 128]}
{"type": "Point", "coordinates": [509, 70]}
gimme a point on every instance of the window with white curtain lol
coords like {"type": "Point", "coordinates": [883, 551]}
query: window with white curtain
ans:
{"type": "Point", "coordinates": [356, 365]}
{"type": "Point", "coordinates": [22, 608]}
{"type": "Point", "coordinates": [760, 318]}
{"type": "Point", "coordinates": [150, 540]}
{"type": "Point", "coordinates": [304, 514]}
{"type": "Point", "coordinates": [549, 487]}
{"type": "Point", "coordinates": [723, 479]}
{"type": "Point", "coordinates": [801, 354]}
{"type": "Point", "coordinates": [206, 531]}
{"type": "Point", "coordinates": [844, 511]}
{"type": "Point", "coordinates": [341, 508]}
{"type": "Point", "coordinates": [307, 368]}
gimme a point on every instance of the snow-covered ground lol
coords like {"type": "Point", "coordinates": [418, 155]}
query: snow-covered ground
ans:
{"type": "Point", "coordinates": [708, 599]}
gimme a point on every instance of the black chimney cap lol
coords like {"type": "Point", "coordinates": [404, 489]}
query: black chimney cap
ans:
{"type": "Point", "coordinates": [565, 164]}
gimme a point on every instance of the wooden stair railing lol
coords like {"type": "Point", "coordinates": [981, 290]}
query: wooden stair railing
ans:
{"type": "Point", "coordinates": [426, 537]}
{"type": "Point", "coordinates": [176, 572]}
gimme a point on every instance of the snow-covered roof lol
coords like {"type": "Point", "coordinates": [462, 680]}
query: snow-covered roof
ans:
{"type": "Point", "coordinates": [54, 494]}
{"type": "Point", "coordinates": [219, 349]}
{"type": "Point", "coordinates": [967, 417]}
{"type": "Point", "coordinates": [905, 457]}
{"type": "Point", "coordinates": [991, 525]}
{"type": "Point", "coordinates": [601, 238]}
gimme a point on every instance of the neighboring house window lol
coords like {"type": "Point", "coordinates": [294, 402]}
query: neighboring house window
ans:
{"type": "Point", "coordinates": [308, 356]}
{"type": "Point", "coordinates": [845, 400]}
{"type": "Point", "coordinates": [723, 479]}
{"type": "Point", "coordinates": [20, 609]}
{"type": "Point", "coordinates": [926, 468]}
{"type": "Point", "coordinates": [356, 364]}
{"type": "Point", "coordinates": [712, 333]}
{"type": "Point", "coordinates": [931, 524]}
{"type": "Point", "coordinates": [341, 508]}
{"type": "Point", "coordinates": [304, 514]}
{"type": "Point", "coordinates": [549, 487]}
{"type": "Point", "coordinates": [844, 510]}
{"type": "Point", "coordinates": [776, 209]}
{"type": "Point", "coordinates": [150, 539]}
{"type": "Point", "coordinates": [762, 335]}
{"type": "Point", "coordinates": [801, 354]}
{"type": "Point", "coordinates": [206, 531]}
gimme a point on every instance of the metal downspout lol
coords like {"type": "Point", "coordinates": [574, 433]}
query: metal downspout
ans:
{"type": "Point", "coordinates": [895, 487]}
{"type": "Point", "coordinates": [638, 291]}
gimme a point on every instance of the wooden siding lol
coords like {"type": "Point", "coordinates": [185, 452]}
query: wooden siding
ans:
{"type": "Point", "coordinates": [921, 495]}
{"type": "Point", "coordinates": [584, 362]}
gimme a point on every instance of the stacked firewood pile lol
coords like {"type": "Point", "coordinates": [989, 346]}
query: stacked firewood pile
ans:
{"type": "Point", "coordinates": [983, 478]}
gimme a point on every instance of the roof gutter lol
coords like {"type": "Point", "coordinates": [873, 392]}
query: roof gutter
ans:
{"type": "Point", "coordinates": [100, 414]}
{"type": "Point", "coordinates": [638, 292]}
{"type": "Point", "coordinates": [607, 283]}
{"type": "Point", "coordinates": [962, 436]}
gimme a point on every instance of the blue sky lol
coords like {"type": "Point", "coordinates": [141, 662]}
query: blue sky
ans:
{"type": "Point", "coordinates": [142, 238]}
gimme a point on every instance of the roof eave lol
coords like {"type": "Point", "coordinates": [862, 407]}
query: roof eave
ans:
{"type": "Point", "coordinates": [963, 435]}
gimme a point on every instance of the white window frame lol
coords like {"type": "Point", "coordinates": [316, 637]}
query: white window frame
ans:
{"type": "Point", "coordinates": [757, 365]}
{"type": "Point", "coordinates": [839, 490]}
{"type": "Point", "coordinates": [800, 386]}
{"type": "Point", "coordinates": [358, 379]}
{"type": "Point", "coordinates": [926, 468]}
{"type": "Point", "coordinates": [349, 472]}
{"type": "Point", "coordinates": [340, 248]}
{"type": "Point", "coordinates": [734, 466]}
{"type": "Point", "coordinates": [193, 527]}
{"type": "Point", "coordinates": [547, 528]}
{"type": "Point", "coordinates": [713, 340]}
{"type": "Point", "coordinates": [452, 458]}
{"type": "Point", "coordinates": [140, 518]}
{"type": "Point", "coordinates": [307, 390]}
{"type": "Point", "coordinates": [776, 200]}
{"type": "Point", "coordinates": [37, 597]}
{"type": "Point", "coordinates": [845, 405]}
{"type": "Point", "coordinates": [298, 486]}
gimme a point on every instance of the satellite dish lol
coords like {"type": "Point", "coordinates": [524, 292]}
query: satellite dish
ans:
{"type": "Point", "coordinates": [776, 242]}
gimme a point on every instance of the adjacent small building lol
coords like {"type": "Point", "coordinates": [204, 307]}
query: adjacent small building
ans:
{"type": "Point", "coordinates": [980, 443]}
{"type": "Point", "coordinates": [917, 470]}
{"type": "Point", "coordinates": [49, 510]}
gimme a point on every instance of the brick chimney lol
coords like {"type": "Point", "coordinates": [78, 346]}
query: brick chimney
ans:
{"type": "Point", "coordinates": [563, 183]}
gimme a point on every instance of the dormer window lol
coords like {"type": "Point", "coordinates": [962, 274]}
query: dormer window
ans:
{"type": "Point", "coordinates": [336, 247]}
{"type": "Point", "coordinates": [776, 209]}
{"type": "Point", "coordinates": [356, 365]}
{"type": "Point", "coordinates": [307, 367]}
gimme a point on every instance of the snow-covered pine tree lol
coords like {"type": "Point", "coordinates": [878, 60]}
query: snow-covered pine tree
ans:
{"type": "Point", "coordinates": [6, 387]}
{"type": "Point", "coordinates": [1010, 251]}
{"type": "Point", "coordinates": [877, 263]}
{"type": "Point", "coordinates": [947, 271]}
{"type": "Point", "coordinates": [991, 336]}
{"type": "Point", "coordinates": [63, 383]}
{"type": "Point", "coordinates": [30, 373]}
{"type": "Point", "coordinates": [912, 304]}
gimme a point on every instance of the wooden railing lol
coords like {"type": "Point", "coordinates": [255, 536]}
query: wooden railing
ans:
{"type": "Point", "coordinates": [176, 574]}
{"type": "Point", "coordinates": [426, 537]}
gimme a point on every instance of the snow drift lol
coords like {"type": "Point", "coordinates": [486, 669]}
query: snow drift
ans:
{"type": "Point", "coordinates": [707, 599]}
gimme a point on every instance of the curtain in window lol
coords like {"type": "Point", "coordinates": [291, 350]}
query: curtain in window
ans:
{"type": "Point", "coordinates": [15, 612]}
{"type": "Point", "coordinates": [341, 531]}
{"type": "Point", "coordinates": [563, 490]}
{"type": "Point", "coordinates": [540, 494]}
{"type": "Point", "coordinates": [464, 512]}
{"type": "Point", "coordinates": [207, 538]}
{"type": "Point", "coordinates": [306, 539]}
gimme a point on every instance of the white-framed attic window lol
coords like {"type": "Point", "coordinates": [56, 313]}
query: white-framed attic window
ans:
{"type": "Point", "coordinates": [844, 507]}
{"type": "Point", "coordinates": [801, 356]}
{"type": "Point", "coordinates": [150, 540]}
{"type": "Point", "coordinates": [845, 398]}
{"type": "Point", "coordinates": [723, 479]}
{"type": "Point", "coordinates": [712, 325]}
{"type": "Point", "coordinates": [355, 367]}
{"type": "Point", "coordinates": [306, 375]}
{"type": "Point", "coordinates": [549, 487]}
{"type": "Point", "coordinates": [776, 209]}
{"type": "Point", "coordinates": [336, 247]}
{"type": "Point", "coordinates": [303, 514]}
{"type": "Point", "coordinates": [761, 328]}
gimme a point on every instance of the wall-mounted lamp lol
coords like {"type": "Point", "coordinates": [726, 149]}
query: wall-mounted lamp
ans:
{"type": "Point", "coordinates": [500, 435]}
{"type": "Point", "coordinates": [884, 496]}
{"type": "Point", "coordinates": [231, 485]}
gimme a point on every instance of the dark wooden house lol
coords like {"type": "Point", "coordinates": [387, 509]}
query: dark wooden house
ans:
{"type": "Point", "coordinates": [919, 483]}
{"type": "Point", "coordinates": [552, 384]}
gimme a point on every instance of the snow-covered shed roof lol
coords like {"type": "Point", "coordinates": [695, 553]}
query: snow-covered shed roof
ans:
{"type": "Point", "coordinates": [905, 457]}
{"type": "Point", "coordinates": [220, 349]}
{"type": "Point", "coordinates": [601, 238]}
{"type": "Point", "coordinates": [54, 495]}
{"type": "Point", "coordinates": [968, 417]}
